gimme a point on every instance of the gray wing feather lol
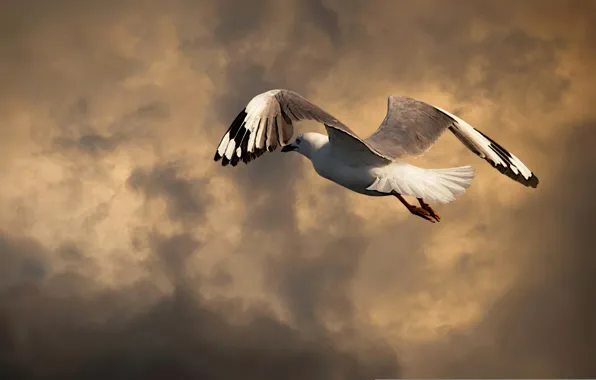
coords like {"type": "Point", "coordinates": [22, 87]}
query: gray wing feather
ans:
{"type": "Point", "coordinates": [296, 108]}
{"type": "Point", "coordinates": [267, 122]}
{"type": "Point", "coordinates": [299, 108]}
{"type": "Point", "coordinates": [410, 127]}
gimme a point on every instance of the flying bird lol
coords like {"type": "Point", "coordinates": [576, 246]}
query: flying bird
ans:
{"type": "Point", "coordinates": [372, 166]}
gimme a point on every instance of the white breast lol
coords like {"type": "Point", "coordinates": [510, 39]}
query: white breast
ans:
{"type": "Point", "coordinates": [355, 178]}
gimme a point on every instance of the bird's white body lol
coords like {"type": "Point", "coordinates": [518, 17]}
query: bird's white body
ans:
{"type": "Point", "coordinates": [331, 166]}
{"type": "Point", "coordinates": [382, 179]}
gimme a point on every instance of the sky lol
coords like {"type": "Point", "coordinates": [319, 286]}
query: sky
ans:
{"type": "Point", "coordinates": [126, 252]}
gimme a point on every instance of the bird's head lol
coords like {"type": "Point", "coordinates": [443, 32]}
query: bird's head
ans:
{"type": "Point", "coordinates": [306, 144]}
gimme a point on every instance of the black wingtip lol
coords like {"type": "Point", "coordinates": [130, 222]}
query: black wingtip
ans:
{"type": "Point", "coordinates": [239, 136]}
{"type": "Point", "coordinates": [232, 134]}
{"type": "Point", "coordinates": [533, 181]}
{"type": "Point", "coordinates": [234, 160]}
{"type": "Point", "coordinates": [507, 170]}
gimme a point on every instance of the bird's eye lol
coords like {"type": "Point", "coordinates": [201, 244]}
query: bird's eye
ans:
{"type": "Point", "coordinates": [298, 141]}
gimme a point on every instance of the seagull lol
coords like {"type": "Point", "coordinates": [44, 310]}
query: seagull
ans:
{"type": "Point", "coordinates": [372, 166]}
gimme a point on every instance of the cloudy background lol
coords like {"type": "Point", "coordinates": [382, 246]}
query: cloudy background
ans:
{"type": "Point", "coordinates": [126, 252]}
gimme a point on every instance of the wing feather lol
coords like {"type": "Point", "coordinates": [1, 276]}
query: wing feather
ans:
{"type": "Point", "coordinates": [267, 122]}
{"type": "Point", "coordinates": [411, 127]}
{"type": "Point", "coordinates": [493, 153]}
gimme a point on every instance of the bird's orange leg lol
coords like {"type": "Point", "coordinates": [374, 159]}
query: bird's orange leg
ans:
{"type": "Point", "coordinates": [419, 211]}
{"type": "Point", "coordinates": [430, 210]}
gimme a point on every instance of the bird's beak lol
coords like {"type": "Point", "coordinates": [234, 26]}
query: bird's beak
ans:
{"type": "Point", "coordinates": [289, 148]}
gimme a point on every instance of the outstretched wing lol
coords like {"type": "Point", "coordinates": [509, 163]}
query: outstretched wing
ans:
{"type": "Point", "coordinates": [267, 122]}
{"type": "Point", "coordinates": [411, 127]}
{"type": "Point", "coordinates": [493, 153]}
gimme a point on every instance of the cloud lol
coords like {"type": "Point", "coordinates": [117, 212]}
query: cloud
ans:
{"type": "Point", "coordinates": [542, 325]}
{"type": "Point", "coordinates": [125, 252]}
{"type": "Point", "coordinates": [48, 332]}
{"type": "Point", "coordinates": [184, 197]}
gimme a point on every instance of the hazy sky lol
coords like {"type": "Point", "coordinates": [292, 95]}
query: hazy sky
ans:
{"type": "Point", "coordinates": [126, 252]}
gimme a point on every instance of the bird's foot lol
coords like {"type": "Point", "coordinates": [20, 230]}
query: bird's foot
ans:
{"type": "Point", "coordinates": [430, 210]}
{"type": "Point", "coordinates": [432, 213]}
{"type": "Point", "coordinates": [424, 214]}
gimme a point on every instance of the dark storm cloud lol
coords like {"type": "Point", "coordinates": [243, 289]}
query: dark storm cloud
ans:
{"type": "Point", "coordinates": [314, 280]}
{"type": "Point", "coordinates": [186, 197]}
{"type": "Point", "coordinates": [173, 253]}
{"type": "Point", "coordinates": [93, 144]}
{"type": "Point", "coordinates": [79, 133]}
{"type": "Point", "coordinates": [236, 19]}
{"type": "Point", "coordinates": [21, 260]}
{"type": "Point", "coordinates": [421, 45]}
{"type": "Point", "coordinates": [323, 17]}
{"type": "Point", "coordinates": [60, 48]}
{"type": "Point", "coordinates": [512, 56]}
{"type": "Point", "coordinates": [550, 316]}
{"type": "Point", "coordinates": [545, 324]}
{"type": "Point", "coordinates": [94, 335]}
{"type": "Point", "coordinates": [219, 277]}
{"type": "Point", "coordinates": [152, 111]}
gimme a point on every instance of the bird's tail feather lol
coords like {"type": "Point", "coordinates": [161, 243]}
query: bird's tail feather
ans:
{"type": "Point", "coordinates": [433, 185]}
{"type": "Point", "coordinates": [453, 180]}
